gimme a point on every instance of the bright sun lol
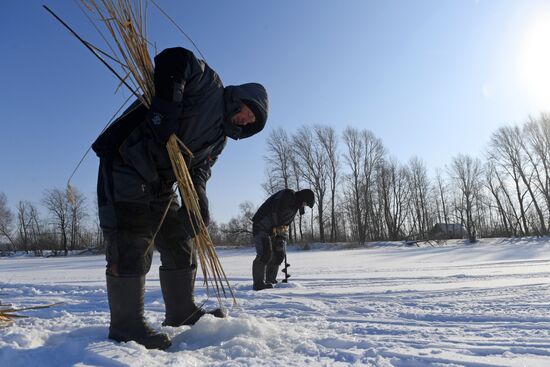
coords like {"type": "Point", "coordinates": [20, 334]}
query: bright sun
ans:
{"type": "Point", "coordinates": [535, 62]}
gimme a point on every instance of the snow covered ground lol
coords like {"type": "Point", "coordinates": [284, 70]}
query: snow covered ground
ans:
{"type": "Point", "coordinates": [486, 304]}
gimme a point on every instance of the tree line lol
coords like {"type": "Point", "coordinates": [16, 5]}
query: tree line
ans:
{"type": "Point", "coordinates": [362, 193]}
{"type": "Point", "coordinates": [67, 225]}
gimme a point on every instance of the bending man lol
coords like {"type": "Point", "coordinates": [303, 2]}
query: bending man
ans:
{"type": "Point", "coordinates": [136, 179]}
{"type": "Point", "coordinates": [268, 229]}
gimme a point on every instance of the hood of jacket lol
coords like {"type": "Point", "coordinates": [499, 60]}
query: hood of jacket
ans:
{"type": "Point", "coordinates": [253, 95]}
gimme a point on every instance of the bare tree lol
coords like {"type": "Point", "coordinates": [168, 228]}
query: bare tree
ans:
{"type": "Point", "coordinates": [6, 221]}
{"type": "Point", "coordinates": [35, 230]}
{"type": "Point", "coordinates": [329, 142]}
{"type": "Point", "coordinates": [394, 195]}
{"type": "Point", "coordinates": [238, 230]}
{"type": "Point", "coordinates": [528, 173]}
{"type": "Point", "coordinates": [77, 214]}
{"type": "Point", "coordinates": [354, 157]}
{"type": "Point", "coordinates": [24, 223]}
{"type": "Point", "coordinates": [279, 164]}
{"type": "Point", "coordinates": [511, 208]}
{"type": "Point", "coordinates": [278, 157]}
{"type": "Point", "coordinates": [312, 163]}
{"type": "Point", "coordinates": [419, 188]}
{"type": "Point", "coordinates": [537, 136]}
{"type": "Point", "coordinates": [55, 200]}
{"type": "Point", "coordinates": [441, 189]}
{"type": "Point", "coordinates": [466, 173]}
{"type": "Point", "coordinates": [373, 156]}
{"type": "Point", "coordinates": [271, 185]}
{"type": "Point", "coordinates": [507, 152]}
{"type": "Point", "coordinates": [496, 189]}
{"type": "Point", "coordinates": [215, 232]}
{"type": "Point", "coordinates": [297, 184]}
{"type": "Point", "coordinates": [341, 219]}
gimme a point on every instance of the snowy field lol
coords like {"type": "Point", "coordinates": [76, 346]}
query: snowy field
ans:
{"type": "Point", "coordinates": [486, 304]}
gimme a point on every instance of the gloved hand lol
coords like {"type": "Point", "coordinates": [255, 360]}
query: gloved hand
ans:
{"type": "Point", "coordinates": [170, 66]}
{"type": "Point", "coordinates": [163, 118]}
{"type": "Point", "coordinates": [190, 222]}
{"type": "Point", "coordinates": [279, 242]}
{"type": "Point", "coordinates": [169, 86]}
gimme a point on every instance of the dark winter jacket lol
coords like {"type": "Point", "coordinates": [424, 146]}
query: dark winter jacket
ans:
{"type": "Point", "coordinates": [204, 125]}
{"type": "Point", "coordinates": [278, 210]}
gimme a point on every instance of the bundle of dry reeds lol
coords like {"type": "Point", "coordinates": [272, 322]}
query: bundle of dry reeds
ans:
{"type": "Point", "coordinates": [125, 22]}
{"type": "Point", "coordinates": [205, 250]}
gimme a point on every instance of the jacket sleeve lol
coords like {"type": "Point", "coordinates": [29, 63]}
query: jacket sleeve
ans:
{"type": "Point", "coordinates": [285, 202]}
{"type": "Point", "coordinates": [199, 176]}
{"type": "Point", "coordinates": [175, 65]}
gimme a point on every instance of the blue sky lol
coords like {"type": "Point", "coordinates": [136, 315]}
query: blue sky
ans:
{"type": "Point", "coordinates": [430, 78]}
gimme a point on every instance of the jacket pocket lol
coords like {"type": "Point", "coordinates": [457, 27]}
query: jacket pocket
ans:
{"type": "Point", "coordinates": [135, 152]}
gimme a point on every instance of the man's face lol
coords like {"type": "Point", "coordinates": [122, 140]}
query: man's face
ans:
{"type": "Point", "coordinates": [244, 117]}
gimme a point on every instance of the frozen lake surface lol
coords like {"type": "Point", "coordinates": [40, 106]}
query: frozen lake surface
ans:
{"type": "Point", "coordinates": [486, 304]}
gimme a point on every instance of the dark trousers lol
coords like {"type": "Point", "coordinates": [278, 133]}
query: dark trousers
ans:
{"type": "Point", "coordinates": [130, 211]}
{"type": "Point", "coordinates": [269, 249]}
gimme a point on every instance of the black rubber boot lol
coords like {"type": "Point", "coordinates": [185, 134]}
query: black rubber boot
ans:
{"type": "Point", "coordinates": [177, 290]}
{"type": "Point", "coordinates": [258, 276]}
{"type": "Point", "coordinates": [271, 273]}
{"type": "Point", "coordinates": [125, 296]}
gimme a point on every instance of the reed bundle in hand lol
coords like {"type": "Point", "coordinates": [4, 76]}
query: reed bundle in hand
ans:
{"type": "Point", "coordinates": [205, 250]}
{"type": "Point", "coordinates": [125, 22]}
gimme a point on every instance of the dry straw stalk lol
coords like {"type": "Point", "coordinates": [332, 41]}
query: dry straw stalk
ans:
{"type": "Point", "coordinates": [8, 313]}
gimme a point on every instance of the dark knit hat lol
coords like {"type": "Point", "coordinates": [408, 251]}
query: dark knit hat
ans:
{"type": "Point", "coordinates": [305, 196]}
{"type": "Point", "coordinates": [255, 97]}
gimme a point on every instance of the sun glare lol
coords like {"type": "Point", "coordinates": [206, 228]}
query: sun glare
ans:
{"type": "Point", "coordinates": [535, 62]}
